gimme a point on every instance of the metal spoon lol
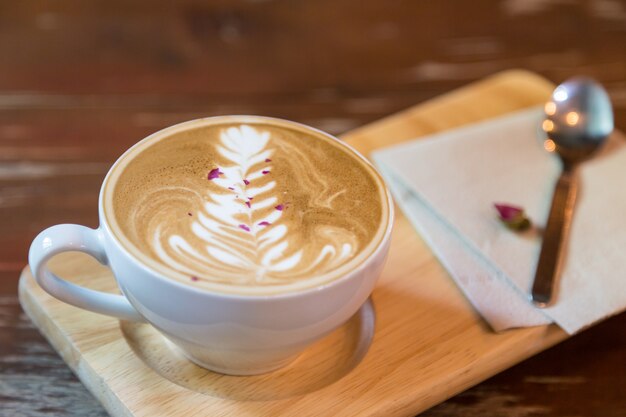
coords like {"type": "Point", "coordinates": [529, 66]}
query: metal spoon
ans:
{"type": "Point", "coordinates": [578, 120]}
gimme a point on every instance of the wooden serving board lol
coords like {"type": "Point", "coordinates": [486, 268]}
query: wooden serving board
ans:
{"type": "Point", "coordinates": [421, 343]}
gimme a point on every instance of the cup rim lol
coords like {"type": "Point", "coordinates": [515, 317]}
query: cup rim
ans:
{"type": "Point", "coordinates": [326, 285]}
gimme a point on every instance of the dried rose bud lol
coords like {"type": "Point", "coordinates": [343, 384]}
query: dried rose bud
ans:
{"type": "Point", "coordinates": [512, 216]}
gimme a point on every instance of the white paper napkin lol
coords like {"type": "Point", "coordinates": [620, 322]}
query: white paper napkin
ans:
{"type": "Point", "coordinates": [446, 185]}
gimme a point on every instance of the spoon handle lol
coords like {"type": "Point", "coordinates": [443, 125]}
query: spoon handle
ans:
{"type": "Point", "coordinates": [554, 235]}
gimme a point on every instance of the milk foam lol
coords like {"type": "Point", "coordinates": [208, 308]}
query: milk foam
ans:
{"type": "Point", "coordinates": [253, 206]}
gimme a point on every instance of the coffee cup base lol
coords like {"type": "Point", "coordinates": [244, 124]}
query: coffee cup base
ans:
{"type": "Point", "coordinates": [234, 362]}
{"type": "Point", "coordinates": [243, 371]}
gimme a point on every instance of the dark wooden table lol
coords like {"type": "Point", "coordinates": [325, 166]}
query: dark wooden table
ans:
{"type": "Point", "coordinates": [82, 81]}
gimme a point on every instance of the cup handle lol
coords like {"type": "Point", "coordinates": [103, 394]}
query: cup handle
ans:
{"type": "Point", "coordinates": [72, 237]}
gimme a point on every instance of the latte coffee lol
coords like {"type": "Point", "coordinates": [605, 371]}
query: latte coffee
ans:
{"type": "Point", "coordinates": [246, 205]}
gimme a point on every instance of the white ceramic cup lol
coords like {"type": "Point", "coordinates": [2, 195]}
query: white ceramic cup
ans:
{"type": "Point", "coordinates": [226, 333]}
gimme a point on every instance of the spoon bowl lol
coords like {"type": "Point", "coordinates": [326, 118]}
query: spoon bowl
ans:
{"type": "Point", "coordinates": [579, 118]}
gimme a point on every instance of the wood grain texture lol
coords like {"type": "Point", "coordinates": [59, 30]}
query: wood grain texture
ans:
{"type": "Point", "coordinates": [82, 81]}
{"type": "Point", "coordinates": [428, 343]}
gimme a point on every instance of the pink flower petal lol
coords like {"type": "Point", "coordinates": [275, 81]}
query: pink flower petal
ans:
{"type": "Point", "coordinates": [214, 173]}
{"type": "Point", "coordinates": [265, 172]}
{"type": "Point", "coordinates": [248, 204]}
{"type": "Point", "coordinates": [246, 182]}
{"type": "Point", "coordinates": [244, 227]}
{"type": "Point", "coordinates": [194, 278]}
{"type": "Point", "coordinates": [279, 207]}
{"type": "Point", "coordinates": [265, 224]}
{"type": "Point", "coordinates": [268, 160]}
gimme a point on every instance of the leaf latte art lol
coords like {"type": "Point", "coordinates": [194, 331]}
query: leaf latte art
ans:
{"type": "Point", "coordinates": [245, 206]}
{"type": "Point", "coordinates": [262, 252]}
